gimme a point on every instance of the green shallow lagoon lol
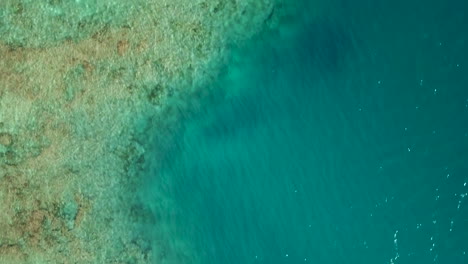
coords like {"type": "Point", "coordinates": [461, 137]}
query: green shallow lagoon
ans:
{"type": "Point", "coordinates": [341, 137]}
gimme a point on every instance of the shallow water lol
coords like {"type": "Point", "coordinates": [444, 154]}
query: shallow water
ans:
{"type": "Point", "coordinates": [341, 137]}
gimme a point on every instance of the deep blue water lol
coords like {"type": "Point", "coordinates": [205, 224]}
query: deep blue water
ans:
{"type": "Point", "coordinates": [341, 137]}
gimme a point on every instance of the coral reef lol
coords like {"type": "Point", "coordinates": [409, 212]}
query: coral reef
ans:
{"type": "Point", "coordinates": [80, 81]}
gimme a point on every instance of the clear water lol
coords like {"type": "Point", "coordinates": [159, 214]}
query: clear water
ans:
{"type": "Point", "coordinates": [342, 137]}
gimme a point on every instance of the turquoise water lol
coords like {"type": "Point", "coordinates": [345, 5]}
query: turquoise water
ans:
{"type": "Point", "coordinates": [341, 137]}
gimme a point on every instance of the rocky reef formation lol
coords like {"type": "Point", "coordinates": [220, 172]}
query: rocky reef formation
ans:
{"type": "Point", "coordinates": [81, 82]}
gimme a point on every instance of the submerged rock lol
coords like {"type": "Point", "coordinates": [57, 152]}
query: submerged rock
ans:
{"type": "Point", "coordinates": [69, 211]}
{"type": "Point", "coordinates": [6, 139]}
